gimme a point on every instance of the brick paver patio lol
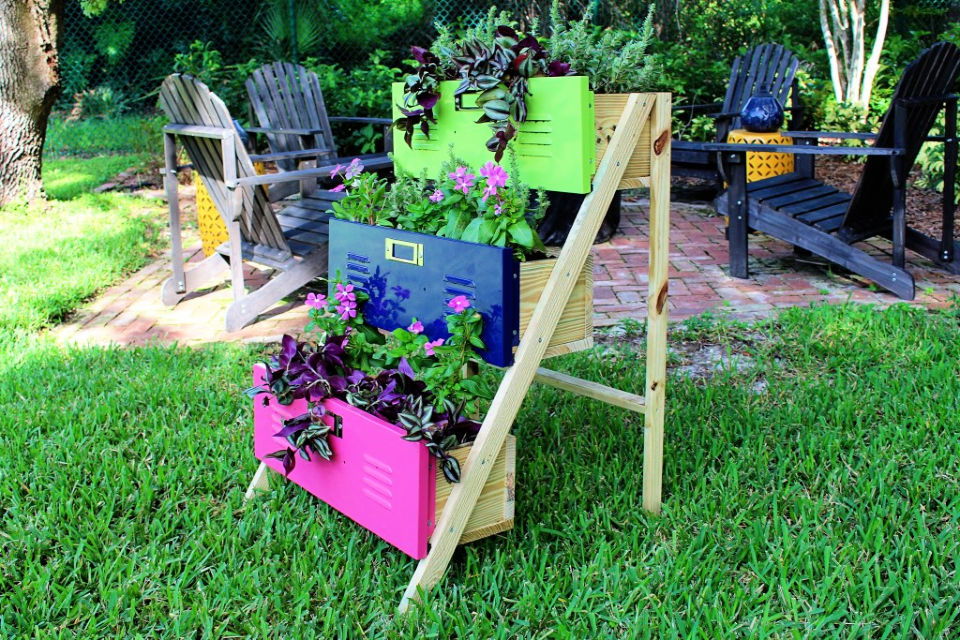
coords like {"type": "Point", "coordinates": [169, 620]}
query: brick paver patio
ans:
{"type": "Point", "coordinates": [131, 312]}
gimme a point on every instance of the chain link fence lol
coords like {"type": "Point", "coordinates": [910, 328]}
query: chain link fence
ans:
{"type": "Point", "coordinates": [130, 47]}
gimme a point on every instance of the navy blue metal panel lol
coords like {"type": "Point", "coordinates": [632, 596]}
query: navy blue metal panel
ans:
{"type": "Point", "coordinates": [413, 275]}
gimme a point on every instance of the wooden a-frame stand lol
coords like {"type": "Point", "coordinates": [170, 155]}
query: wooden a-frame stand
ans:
{"type": "Point", "coordinates": [647, 113]}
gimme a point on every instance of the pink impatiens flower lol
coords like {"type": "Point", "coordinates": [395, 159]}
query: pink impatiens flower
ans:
{"type": "Point", "coordinates": [416, 328]}
{"type": "Point", "coordinates": [495, 175]}
{"type": "Point", "coordinates": [463, 178]}
{"type": "Point", "coordinates": [490, 190]}
{"type": "Point", "coordinates": [497, 210]}
{"type": "Point", "coordinates": [459, 303]}
{"type": "Point", "coordinates": [345, 292]}
{"type": "Point", "coordinates": [347, 310]}
{"type": "Point", "coordinates": [353, 170]}
{"type": "Point", "coordinates": [315, 301]}
{"type": "Point", "coordinates": [338, 188]}
{"type": "Point", "coordinates": [437, 196]}
{"type": "Point", "coordinates": [336, 170]}
{"type": "Point", "coordinates": [429, 347]}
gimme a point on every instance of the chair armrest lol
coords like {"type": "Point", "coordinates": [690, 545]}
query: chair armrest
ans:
{"type": "Point", "coordinates": [830, 134]}
{"type": "Point", "coordinates": [288, 155]}
{"type": "Point", "coordinates": [370, 162]}
{"type": "Point", "coordinates": [282, 130]}
{"type": "Point", "coordinates": [800, 149]}
{"type": "Point", "coordinates": [360, 120]}
{"type": "Point", "coordinates": [715, 106]}
{"type": "Point", "coordinates": [198, 131]}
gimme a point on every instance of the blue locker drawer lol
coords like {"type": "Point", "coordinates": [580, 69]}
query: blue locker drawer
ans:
{"type": "Point", "coordinates": [413, 275]}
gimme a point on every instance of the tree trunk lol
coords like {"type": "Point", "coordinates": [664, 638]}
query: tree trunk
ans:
{"type": "Point", "coordinates": [29, 86]}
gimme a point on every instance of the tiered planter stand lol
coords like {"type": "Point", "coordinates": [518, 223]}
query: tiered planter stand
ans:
{"type": "Point", "coordinates": [635, 148]}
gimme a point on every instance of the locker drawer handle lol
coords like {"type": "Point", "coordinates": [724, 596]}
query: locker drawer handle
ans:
{"type": "Point", "coordinates": [410, 252]}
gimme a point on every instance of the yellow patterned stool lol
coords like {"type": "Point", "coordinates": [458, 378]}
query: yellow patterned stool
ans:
{"type": "Point", "coordinates": [762, 165]}
{"type": "Point", "coordinates": [213, 230]}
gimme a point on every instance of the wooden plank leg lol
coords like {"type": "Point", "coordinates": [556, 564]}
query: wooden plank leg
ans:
{"type": "Point", "coordinates": [246, 309]}
{"type": "Point", "coordinates": [657, 307]}
{"type": "Point", "coordinates": [518, 378]}
{"type": "Point", "coordinates": [260, 482]}
{"type": "Point", "coordinates": [211, 269]}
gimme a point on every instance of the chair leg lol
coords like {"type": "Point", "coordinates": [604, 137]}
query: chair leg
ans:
{"type": "Point", "coordinates": [236, 260]}
{"type": "Point", "coordinates": [171, 186]}
{"type": "Point", "coordinates": [737, 229]}
{"type": "Point", "coordinates": [205, 273]}
{"type": "Point", "coordinates": [245, 310]}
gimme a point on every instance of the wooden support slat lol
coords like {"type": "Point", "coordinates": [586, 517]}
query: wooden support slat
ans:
{"type": "Point", "coordinates": [590, 389]}
{"type": "Point", "coordinates": [518, 378]}
{"type": "Point", "coordinates": [659, 257]}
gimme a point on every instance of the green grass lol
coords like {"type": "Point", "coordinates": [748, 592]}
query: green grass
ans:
{"type": "Point", "coordinates": [68, 178]}
{"type": "Point", "coordinates": [97, 136]}
{"type": "Point", "coordinates": [58, 254]}
{"type": "Point", "coordinates": [824, 502]}
{"type": "Point", "coordinates": [826, 506]}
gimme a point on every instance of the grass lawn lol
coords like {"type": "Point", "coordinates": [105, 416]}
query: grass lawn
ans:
{"type": "Point", "coordinates": [813, 493]}
{"type": "Point", "coordinates": [67, 178]}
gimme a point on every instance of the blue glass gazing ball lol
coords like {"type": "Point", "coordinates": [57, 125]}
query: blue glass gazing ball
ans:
{"type": "Point", "coordinates": [762, 113]}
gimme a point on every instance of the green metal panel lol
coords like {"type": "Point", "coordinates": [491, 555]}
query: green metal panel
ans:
{"type": "Point", "coordinates": [555, 145]}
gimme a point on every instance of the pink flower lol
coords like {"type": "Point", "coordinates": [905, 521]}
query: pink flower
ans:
{"type": "Point", "coordinates": [497, 210]}
{"type": "Point", "coordinates": [430, 346]}
{"type": "Point", "coordinates": [489, 191]}
{"type": "Point", "coordinates": [315, 301]}
{"type": "Point", "coordinates": [336, 170]}
{"type": "Point", "coordinates": [460, 173]}
{"type": "Point", "coordinates": [338, 188]}
{"type": "Point", "coordinates": [345, 292]}
{"type": "Point", "coordinates": [347, 310]}
{"type": "Point", "coordinates": [459, 303]}
{"type": "Point", "coordinates": [437, 196]}
{"type": "Point", "coordinates": [416, 328]}
{"type": "Point", "coordinates": [495, 175]}
{"type": "Point", "coordinates": [354, 169]}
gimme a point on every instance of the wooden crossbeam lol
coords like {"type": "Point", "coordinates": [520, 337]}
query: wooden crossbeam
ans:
{"type": "Point", "coordinates": [590, 389]}
{"type": "Point", "coordinates": [518, 378]}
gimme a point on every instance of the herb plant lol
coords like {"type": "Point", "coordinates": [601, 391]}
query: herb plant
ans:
{"type": "Point", "coordinates": [615, 61]}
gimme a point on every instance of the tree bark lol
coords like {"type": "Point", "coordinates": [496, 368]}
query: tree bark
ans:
{"type": "Point", "coordinates": [29, 86]}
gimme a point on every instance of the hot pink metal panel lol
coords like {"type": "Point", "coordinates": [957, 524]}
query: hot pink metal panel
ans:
{"type": "Point", "coordinates": [377, 479]}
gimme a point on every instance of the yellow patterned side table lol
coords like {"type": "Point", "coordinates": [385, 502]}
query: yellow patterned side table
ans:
{"type": "Point", "coordinates": [213, 230]}
{"type": "Point", "coordinates": [761, 164]}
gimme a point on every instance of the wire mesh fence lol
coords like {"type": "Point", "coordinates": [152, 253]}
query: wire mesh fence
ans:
{"type": "Point", "coordinates": [130, 47]}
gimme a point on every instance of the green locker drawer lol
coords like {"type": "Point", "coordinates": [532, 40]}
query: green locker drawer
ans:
{"type": "Point", "coordinates": [555, 145]}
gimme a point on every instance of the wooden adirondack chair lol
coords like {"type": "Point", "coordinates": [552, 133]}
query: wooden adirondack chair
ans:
{"type": "Point", "coordinates": [293, 241]}
{"type": "Point", "coordinates": [815, 217]}
{"type": "Point", "coordinates": [770, 64]}
{"type": "Point", "coordinates": [287, 102]}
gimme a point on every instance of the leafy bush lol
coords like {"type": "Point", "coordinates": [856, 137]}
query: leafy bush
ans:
{"type": "Point", "coordinates": [101, 102]}
{"type": "Point", "coordinates": [617, 61]}
{"type": "Point", "coordinates": [124, 134]}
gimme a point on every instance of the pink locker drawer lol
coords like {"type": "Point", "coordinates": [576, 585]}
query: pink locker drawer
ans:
{"type": "Point", "coordinates": [377, 479]}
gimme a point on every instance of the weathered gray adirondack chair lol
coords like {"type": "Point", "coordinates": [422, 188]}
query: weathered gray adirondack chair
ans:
{"type": "Point", "coordinates": [772, 65]}
{"type": "Point", "coordinates": [815, 217]}
{"type": "Point", "coordinates": [292, 241]}
{"type": "Point", "coordinates": [288, 104]}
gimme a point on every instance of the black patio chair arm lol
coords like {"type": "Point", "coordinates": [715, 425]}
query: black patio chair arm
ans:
{"type": "Point", "coordinates": [830, 134]}
{"type": "Point", "coordinates": [800, 149]}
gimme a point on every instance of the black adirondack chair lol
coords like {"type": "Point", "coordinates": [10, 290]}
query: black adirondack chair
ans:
{"type": "Point", "coordinates": [770, 64]}
{"type": "Point", "coordinates": [817, 218]}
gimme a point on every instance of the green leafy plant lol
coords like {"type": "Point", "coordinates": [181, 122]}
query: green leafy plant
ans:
{"type": "Point", "coordinates": [100, 102]}
{"type": "Point", "coordinates": [492, 208]}
{"type": "Point", "coordinates": [614, 60]}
